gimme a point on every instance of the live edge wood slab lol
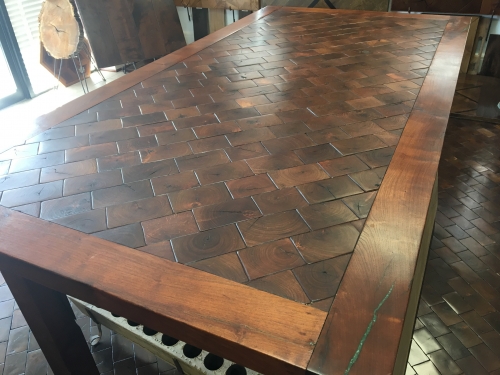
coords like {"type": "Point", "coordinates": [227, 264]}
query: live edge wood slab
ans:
{"type": "Point", "coordinates": [266, 193]}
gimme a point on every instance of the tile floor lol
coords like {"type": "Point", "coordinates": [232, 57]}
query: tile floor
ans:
{"type": "Point", "coordinates": [458, 325]}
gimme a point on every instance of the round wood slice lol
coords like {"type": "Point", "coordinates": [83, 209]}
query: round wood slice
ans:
{"type": "Point", "coordinates": [61, 30]}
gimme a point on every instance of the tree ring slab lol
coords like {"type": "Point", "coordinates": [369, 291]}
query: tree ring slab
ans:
{"type": "Point", "coordinates": [61, 30]}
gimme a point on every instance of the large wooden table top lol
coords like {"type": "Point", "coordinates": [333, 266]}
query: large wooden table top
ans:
{"type": "Point", "coordinates": [257, 154]}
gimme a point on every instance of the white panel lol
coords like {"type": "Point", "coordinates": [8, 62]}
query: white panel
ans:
{"type": "Point", "coordinates": [186, 23]}
{"type": "Point", "coordinates": [23, 15]}
{"type": "Point", "coordinates": [495, 27]}
{"type": "Point", "coordinates": [232, 16]}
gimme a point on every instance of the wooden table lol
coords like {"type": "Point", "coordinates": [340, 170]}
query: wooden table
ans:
{"type": "Point", "coordinates": [266, 193]}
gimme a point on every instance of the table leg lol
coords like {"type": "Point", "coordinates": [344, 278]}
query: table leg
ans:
{"type": "Point", "coordinates": [50, 317]}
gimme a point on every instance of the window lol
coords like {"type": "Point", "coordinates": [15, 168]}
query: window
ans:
{"type": "Point", "coordinates": [23, 15]}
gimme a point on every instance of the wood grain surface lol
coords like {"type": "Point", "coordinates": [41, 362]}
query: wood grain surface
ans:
{"type": "Point", "coordinates": [122, 31]}
{"type": "Point", "coordinates": [60, 31]}
{"type": "Point", "coordinates": [82, 104]}
{"type": "Point", "coordinates": [255, 154]}
{"type": "Point", "coordinates": [387, 251]}
{"type": "Point", "coordinates": [220, 4]}
{"type": "Point", "coordinates": [188, 306]}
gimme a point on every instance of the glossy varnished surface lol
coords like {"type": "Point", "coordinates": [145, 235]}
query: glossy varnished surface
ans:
{"type": "Point", "coordinates": [187, 306]}
{"type": "Point", "coordinates": [477, 97]}
{"type": "Point", "coordinates": [247, 159]}
{"type": "Point", "coordinates": [396, 233]}
{"type": "Point", "coordinates": [258, 159]}
{"type": "Point", "coordinates": [457, 330]}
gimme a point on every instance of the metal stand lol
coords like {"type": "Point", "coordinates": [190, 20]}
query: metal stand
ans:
{"type": "Point", "coordinates": [79, 69]}
{"type": "Point", "coordinates": [94, 340]}
{"type": "Point", "coordinates": [59, 74]}
{"type": "Point", "coordinates": [127, 65]}
{"type": "Point", "coordinates": [93, 62]}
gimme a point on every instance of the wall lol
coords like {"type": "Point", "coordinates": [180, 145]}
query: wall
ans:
{"type": "Point", "coordinates": [448, 6]}
{"type": "Point", "coordinates": [380, 5]}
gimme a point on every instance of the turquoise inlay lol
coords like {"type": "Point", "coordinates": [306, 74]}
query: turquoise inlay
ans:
{"type": "Point", "coordinates": [367, 332]}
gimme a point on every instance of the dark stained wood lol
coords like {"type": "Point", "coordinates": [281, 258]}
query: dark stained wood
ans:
{"type": "Point", "coordinates": [223, 172]}
{"type": "Point", "coordinates": [137, 30]}
{"type": "Point", "coordinates": [206, 159]}
{"type": "Point", "coordinates": [321, 280]}
{"type": "Point", "coordinates": [279, 201]}
{"type": "Point", "coordinates": [200, 196]}
{"type": "Point", "coordinates": [283, 284]}
{"type": "Point", "coordinates": [200, 23]}
{"type": "Point", "coordinates": [265, 331]}
{"type": "Point", "coordinates": [143, 14]}
{"type": "Point", "coordinates": [270, 258]}
{"type": "Point", "coordinates": [97, 96]}
{"type": "Point", "coordinates": [234, 210]}
{"type": "Point", "coordinates": [160, 249]}
{"type": "Point", "coordinates": [125, 34]}
{"type": "Point", "coordinates": [207, 244]}
{"type": "Point", "coordinates": [99, 32]}
{"type": "Point", "coordinates": [273, 162]}
{"type": "Point", "coordinates": [168, 20]}
{"type": "Point", "coordinates": [227, 266]}
{"type": "Point", "coordinates": [32, 194]}
{"type": "Point", "coordinates": [108, 163]}
{"type": "Point", "coordinates": [327, 214]}
{"type": "Point", "coordinates": [384, 230]}
{"type": "Point", "coordinates": [272, 227]}
{"type": "Point", "coordinates": [491, 66]}
{"type": "Point", "coordinates": [133, 212]}
{"type": "Point", "coordinates": [290, 176]}
{"type": "Point", "coordinates": [221, 4]}
{"type": "Point", "coordinates": [327, 190]}
{"type": "Point", "coordinates": [342, 166]}
{"type": "Point", "coordinates": [168, 184]}
{"type": "Point", "coordinates": [253, 185]}
{"type": "Point", "coordinates": [51, 318]}
{"type": "Point", "coordinates": [217, 185]}
{"type": "Point", "coordinates": [327, 243]}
